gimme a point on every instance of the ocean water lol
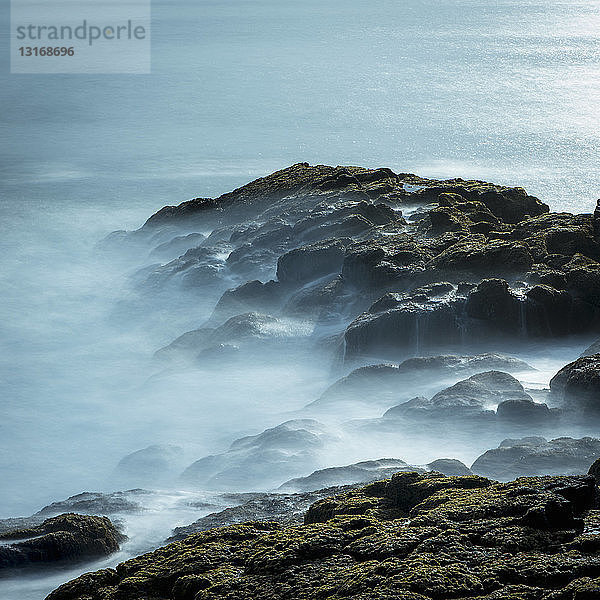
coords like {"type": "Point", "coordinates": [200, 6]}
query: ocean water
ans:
{"type": "Point", "coordinates": [500, 90]}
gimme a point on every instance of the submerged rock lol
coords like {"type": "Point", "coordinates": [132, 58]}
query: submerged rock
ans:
{"type": "Point", "coordinates": [67, 537]}
{"type": "Point", "coordinates": [536, 456]}
{"type": "Point", "coordinates": [414, 536]}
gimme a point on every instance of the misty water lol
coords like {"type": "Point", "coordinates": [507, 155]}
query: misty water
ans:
{"type": "Point", "coordinates": [504, 91]}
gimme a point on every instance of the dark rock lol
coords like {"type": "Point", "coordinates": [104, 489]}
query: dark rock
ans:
{"type": "Point", "coordinates": [322, 301]}
{"type": "Point", "coordinates": [68, 537]}
{"type": "Point", "coordinates": [415, 537]}
{"type": "Point", "coordinates": [549, 312]}
{"type": "Point", "coordinates": [496, 306]}
{"type": "Point", "coordinates": [476, 254]}
{"type": "Point", "coordinates": [383, 384]}
{"type": "Point", "coordinates": [594, 471]}
{"type": "Point", "coordinates": [252, 296]}
{"type": "Point", "coordinates": [578, 385]}
{"type": "Point", "coordinates": [244, 330]}
{"type": "Point", "coordinates": [411, 328]}
{"type": "Point", "coordinates": [374, 263]}
{"type": "Point", "coordinates": [449, 466]}
{"type": "Point", "coordinates": [97, 503]}
{"type": "Point", "coordinates": [286, 509]}
{"type": "Point", "coordinates": [472, 397]}
{"type": "Point", "coordinates": [524, 412]}
{"type": "Point", "coordinates": [536, 456]}
{"type": "Point", "coordinates": [558, 233]}
{"type": "Point", "coordinates": [311, 262]}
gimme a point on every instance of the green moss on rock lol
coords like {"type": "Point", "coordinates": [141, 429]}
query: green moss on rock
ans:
{"type": "Point", "coordinates": [411, 537]}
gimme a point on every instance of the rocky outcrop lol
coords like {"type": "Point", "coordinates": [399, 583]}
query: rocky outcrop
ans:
{"type": "Point", "coordinates": [286, 509]}
{"type": "Point", "coordinates": [97, 503]}
{"type": "Point", "coordinates": [477, 263]}
{"type": "Point", "coordinates": [449, 466]}
{"type": "Point", "coordinates": [67, 537]}
{"type": "Point", "coordinates": [361, 472]}
{"type": "Point", "coordinates": [419, 537]}
{"type": "Point", "coordinates": [311, 262]}
{"type": "Point", "coordinates": [477, 396]}
{"type": "Point", "coordinates": [536, 456]}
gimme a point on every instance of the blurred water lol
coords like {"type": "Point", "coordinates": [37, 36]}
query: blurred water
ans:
{"type": "Point", "coordinates": [506, 91]}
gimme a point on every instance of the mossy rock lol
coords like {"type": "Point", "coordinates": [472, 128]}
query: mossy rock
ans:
{"type": "Point", "coordinates": [414, 537]}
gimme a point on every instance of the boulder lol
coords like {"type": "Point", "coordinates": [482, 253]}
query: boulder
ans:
{"type": "Point", "coordinates": [525, 412]}
{"type": "Point", "coordinates": [252, 296]}
{"type": "Point", "coordinates": [311, 262]}
{"type": "Point", "coordinates": [385, 384]}
{"type": "Point", "coordinates": [409, 329]}
{"type": "Point", "coordinates": [478, 255]}
{"type": "Point", "coordinates": [536, 456]}
{"type": "Point", "coordinates": [449, 466]}
{"type": "Point", "coordinates": [97, 503]}
{"type": "Point", "coordinates": [577, 385]}
{"type": "Point", "coordinates": [378, 262]}
{"type": "Point", "coordinates": [286, 509]}
{"type": "Point", "coordinates": [472, 397]}
{"type": "Point", "coordinates": [496, 307]}
{"type": "Point", "coordinates": [67, 537]}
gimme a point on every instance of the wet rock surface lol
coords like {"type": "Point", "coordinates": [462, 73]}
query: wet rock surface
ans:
{"type": "Point", "coordinates": [481, 262]}
{"type": "Point", "coordinates": [413, 536]}
{"type": "Point", "coordinates": [401, 283]}
{"type": "Point", "coordinates": [65, 538]}
{"type": "Point", "coordinates": [287, 509]}
{"type": "Point", "coordinates": [485, 398]}
{"type": "Point", "coordinates": [578, 385]}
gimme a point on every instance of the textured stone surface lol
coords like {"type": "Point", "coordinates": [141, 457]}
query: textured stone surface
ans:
{"type": "Point", "coordinates": [417, 537]}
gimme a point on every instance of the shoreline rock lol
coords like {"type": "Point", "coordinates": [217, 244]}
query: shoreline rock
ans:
{"type": "Point", "coordinates": [421, 537]}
